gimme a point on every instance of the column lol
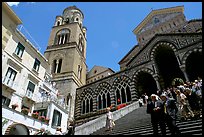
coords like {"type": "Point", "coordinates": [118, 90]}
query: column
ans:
{"type": "Point", "coordinates": [63, 39]}
{"type": "Point", "coordinates": [60, 40]}
{"type": "Point", "coordinates": [183, 69]}
{"type": "Point", "coordinates": [57, 62]}
{"type": "Point", "coordinates": [156, 78]}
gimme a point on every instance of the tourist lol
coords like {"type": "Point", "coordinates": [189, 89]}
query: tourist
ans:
{"type": "Point", "coordinates": [71, 128]}
{"type": "Point", "coordinates": [58, 131]}
{"type": "Point", "coordinates": [193, 101]}
{"type": "Point", "coordinates": [183, 105]}
{"type": "Point", "coordinates": [154, 107]}
{"type": "Point", "coordinates": [109, 120]}
{"type": "Point", "coordinates": [169, 110]}
{"type": "Point", "coordinates": [40, 132]}
{"type": "Point", "coordinates": [146, 98]}
{"type": "Point", "coordinates": [140, 101]}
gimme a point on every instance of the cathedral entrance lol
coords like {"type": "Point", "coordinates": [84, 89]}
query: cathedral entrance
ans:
{"type": "Point", "coordinates": [194, 65]}
{"type": "Point", "coordinates": [145, 83]}
{"type": "Point", "coordinates": [167, 65]}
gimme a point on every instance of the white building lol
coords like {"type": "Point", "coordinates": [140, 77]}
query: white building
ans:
{"type": "Point", "coordinates": [25, 82]}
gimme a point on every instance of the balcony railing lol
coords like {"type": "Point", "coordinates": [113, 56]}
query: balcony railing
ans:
{"type": "Point", "coordinates": [29, 94]}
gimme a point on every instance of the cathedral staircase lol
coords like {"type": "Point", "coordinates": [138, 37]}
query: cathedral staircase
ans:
{"type": "Point", "coordinates": [138, 122]}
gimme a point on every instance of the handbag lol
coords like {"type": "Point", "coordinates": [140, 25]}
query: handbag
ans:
{"type": "Point", "coordinates": [113, 123]}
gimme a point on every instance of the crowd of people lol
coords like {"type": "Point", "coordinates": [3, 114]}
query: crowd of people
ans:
{"type": "Point", "coordinates": [184, 100]}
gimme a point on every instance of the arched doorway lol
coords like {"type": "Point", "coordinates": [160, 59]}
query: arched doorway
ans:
{"type": "Point", "coordinates": [194, 67]}
{"type": "Point", "coordinates": [17, 129]}
{"type": "Point", "coordinates": [167, 65]}
{"type": "Point", "coordinates": [145, 83]}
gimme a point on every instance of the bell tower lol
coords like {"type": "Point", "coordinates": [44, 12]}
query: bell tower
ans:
{"type": "Point", "coordinates": [66, 54]}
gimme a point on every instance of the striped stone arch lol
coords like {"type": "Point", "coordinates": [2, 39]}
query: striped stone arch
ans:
{"type": "Point", "coordinates": [121, 81]}
{"type": "Point", "coordinates": [79, 99]}
{"type": "Point", "coordinates": [13, 125]}
{"type": "Point", "coordinates": [148, 70]}
{"type": "Point", "coordinates": [183, 60]}
{"type": "Point", "coordinates": [152, 51]}
{"type": "Point", "coordinates": [104, 86]}
{"type": "Point", "coordinates": [86, 91]}
{"type": "Point", "coordinates": [59, 55]}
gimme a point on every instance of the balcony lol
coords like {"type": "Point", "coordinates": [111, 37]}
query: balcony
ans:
{"type": "Point", "coordinates": [29, 96]}
{"type": "Point", "coordinates": [18, 117]}
{"type": "Point", "coordinates": [9, 84]}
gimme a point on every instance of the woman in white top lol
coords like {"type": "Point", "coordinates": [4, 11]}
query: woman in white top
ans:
{"type": "Point", "coordinates": [109, 120]}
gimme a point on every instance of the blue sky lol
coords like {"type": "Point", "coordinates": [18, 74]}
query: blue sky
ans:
{"type": "Point", "coordinates": [109, 25]}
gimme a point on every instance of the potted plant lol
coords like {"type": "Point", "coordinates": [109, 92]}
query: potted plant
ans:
{"type": "Point", "coordinates": [25, 111]}
{"type": "Point", "coordinates": [14, 106]}
{"type": "Point", "coordinates": [42, 118]}
{"type": "Point", "coordinates": [35, 115]}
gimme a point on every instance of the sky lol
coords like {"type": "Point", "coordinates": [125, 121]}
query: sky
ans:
{"type": "Point", "coordinates": [109, 25]}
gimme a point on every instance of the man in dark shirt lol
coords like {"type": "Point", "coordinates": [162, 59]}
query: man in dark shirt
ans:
{"type": "Point", "coordinates": [154, 107]}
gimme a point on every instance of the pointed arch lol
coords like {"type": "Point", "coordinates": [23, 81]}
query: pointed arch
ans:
{"type": "Point", "coordinates": [153, 49]}
{"type": "Point", "coordinates": [123, 86]}
{"type": "Point", "coordinates": [103, 95]}
{"type": "Point", "coordinates": [185, 56]}
{"type": "Point", "coordinates": [62, 36]}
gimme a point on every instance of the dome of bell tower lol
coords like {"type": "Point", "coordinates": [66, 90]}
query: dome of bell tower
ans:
{"type": "Point", "coordinates": [73, 14]}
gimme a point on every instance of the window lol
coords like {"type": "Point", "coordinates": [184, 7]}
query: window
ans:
{"type": "Point", "coordinates": [103, 100]}
{"type": "Point", "coordinates": [10, 76]}
{"type": "Point", "coordinates": [77, 19]}
{"type": "Point", "coordinates": [80, 43]}
{"type": "Point", "coordinates": [30, 89]}
{"type": "Point", "coordinates": [57, 64]}
{"type": "Point", "coordinates": [79, 71]}
{"type": "Point", "coordinates": [56, 119]}
{"type": "Point", "coordinates": [58, 23]}
{"type": "Point", "coordinates": [5, 101]}
{"type": "Point", "coordinates": [36, 64]}
{"type": "Point", "coordinates": [67, 20]}
{"type": "Point", "coordinates": [42, 112]}
{"type": "Point", "coordinates": [156, 20]}
{"type": "Point", "coordinates": [62, 37]}
{"type": "Point", "coordinates": [19, 50]}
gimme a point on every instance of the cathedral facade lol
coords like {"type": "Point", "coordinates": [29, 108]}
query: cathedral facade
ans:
{"type": "Point", "coordinates": [169, 48]}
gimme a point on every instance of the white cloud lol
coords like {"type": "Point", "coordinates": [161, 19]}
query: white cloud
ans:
{"type": "Point", "coordinates": [13, 3]}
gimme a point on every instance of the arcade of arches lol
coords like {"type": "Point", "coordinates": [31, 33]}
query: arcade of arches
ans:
{"type": "Point", "coordinates": [127, 86]}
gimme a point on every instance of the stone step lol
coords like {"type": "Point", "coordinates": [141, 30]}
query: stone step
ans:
{"type": "Point", "coordinates": [138, 122]}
